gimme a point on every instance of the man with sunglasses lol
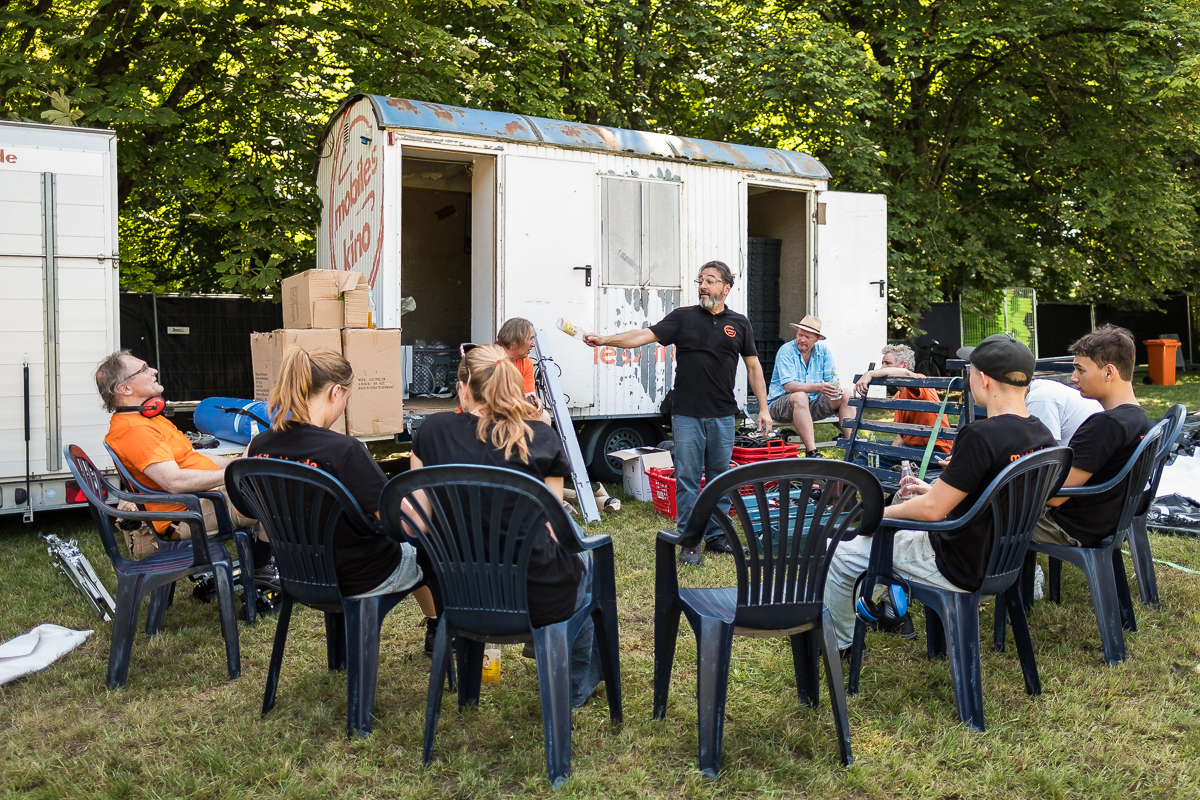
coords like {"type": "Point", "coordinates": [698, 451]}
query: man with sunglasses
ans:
{"type": "Point", "coordinates": [159, 456]}
{"type": "Point", "coordinates": [709, 339]}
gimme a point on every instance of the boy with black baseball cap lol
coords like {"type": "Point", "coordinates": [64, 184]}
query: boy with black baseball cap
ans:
{"type": "Point", "coordinates": [1104, 362]}
{"type": "Point", "coordinates": [1001, 368]}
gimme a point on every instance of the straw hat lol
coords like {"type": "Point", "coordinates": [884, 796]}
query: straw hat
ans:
{"type": "Point", "coordinates": [809, 323]}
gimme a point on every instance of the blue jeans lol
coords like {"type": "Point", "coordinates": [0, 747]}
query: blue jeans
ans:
{"type": "Point", "coordinates": [703, 445]}
{"type": "Point", "coordinates": [586, 673]}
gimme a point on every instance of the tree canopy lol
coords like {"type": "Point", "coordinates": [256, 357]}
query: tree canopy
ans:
{"type": "Point", "coordinates": [1020, 142]}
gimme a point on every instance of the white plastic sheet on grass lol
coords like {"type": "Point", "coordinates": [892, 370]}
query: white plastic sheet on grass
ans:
{"type": "Point", "coordinates": [36, 650]}
{"type": "Point", "coordinates": [1182, 477]}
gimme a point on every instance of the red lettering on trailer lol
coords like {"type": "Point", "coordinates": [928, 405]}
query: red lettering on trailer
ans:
{"type": "Point", "coordinates": [355, 204]}
{"type": "Point", "coordinates": [608, 355]}
{"type": "Point", "coordinates": [7, 158]}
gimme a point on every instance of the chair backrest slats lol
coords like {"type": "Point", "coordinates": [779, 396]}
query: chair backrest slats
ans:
{"type": "Point", "coordinates": [480, 530]}
{"type": "Point", "coordinates": [302, 509]}
{"type": "Point", "coordinates": [1015, 499]}
{"type": "Point", "coordinates": [1174, 418]}
{"type": "Point", "coordinates": [788, 514]}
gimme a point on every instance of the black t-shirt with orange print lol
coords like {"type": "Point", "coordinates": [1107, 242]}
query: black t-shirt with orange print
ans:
{"type": "Point", "coordinates": [362, 563]}
{"type": "Point", "coordinates": [707, 349]}
{"type": "Point", "coordinates": [1102, 445]}
{"type": "Point", "coordinates": [983, 450]}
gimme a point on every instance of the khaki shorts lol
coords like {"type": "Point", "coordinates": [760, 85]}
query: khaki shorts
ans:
{"type": "Point", "coordinates": [239, 520]}
{"type": "Point", "coordinates": [1047, 531]}
{"type": "Point", "coordinates": [781, 408]}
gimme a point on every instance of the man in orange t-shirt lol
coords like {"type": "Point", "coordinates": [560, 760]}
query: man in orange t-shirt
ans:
{"type": "Point", "coordinates": [157, 454]}
{"type": "Point", "coordinates": [517, 337]}
{"type": "Point", "coordinates": [898, 361]}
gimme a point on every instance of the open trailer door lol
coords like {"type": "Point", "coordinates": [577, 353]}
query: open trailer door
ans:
{"type": "Point", "coordinates": [851, 285]}
{"type": "Point", "coordinates": [549, 267]}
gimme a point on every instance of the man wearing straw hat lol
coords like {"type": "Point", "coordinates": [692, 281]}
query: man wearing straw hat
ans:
{"type": "Point", "coordinates": [805, 385]}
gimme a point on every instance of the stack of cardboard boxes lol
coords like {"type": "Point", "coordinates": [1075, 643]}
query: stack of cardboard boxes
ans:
{"type": "Point", "coordinates": [328, 310]}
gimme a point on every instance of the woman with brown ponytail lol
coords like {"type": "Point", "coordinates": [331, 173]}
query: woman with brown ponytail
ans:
{"type": "Point", "coordinates": [498, 427]}
{"type": "Point", "coordinates": [308, 399]}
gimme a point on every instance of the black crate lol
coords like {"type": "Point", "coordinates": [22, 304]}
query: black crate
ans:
{"type": "Point", "coordinates": [434, 370]}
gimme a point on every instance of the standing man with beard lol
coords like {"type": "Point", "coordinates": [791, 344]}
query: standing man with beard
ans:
{"type": "Point", "coordinates": [709, 338]}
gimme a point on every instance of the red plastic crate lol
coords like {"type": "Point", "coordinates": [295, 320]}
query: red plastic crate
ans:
{"type": "Point", "coordinates": [662, 490]}
{"type": "Point", "coordinates": [775, 448]}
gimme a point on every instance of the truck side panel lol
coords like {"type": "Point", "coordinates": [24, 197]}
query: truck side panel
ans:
{"type": "Point", "coordinates": [77, 170]}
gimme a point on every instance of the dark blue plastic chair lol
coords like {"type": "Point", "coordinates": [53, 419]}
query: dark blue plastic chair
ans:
{"type": "Point", "coordinates": [1014, 500]}
{"type": "Point", "coordinates": [243, 540]}
{"type": "Point", "coordinates": [1139, 541]}
{"type": "Point", "coordinates": [301, 508]}
{"type": "Point", "coordinates": [136, 579]}
{"type": "Point", "coordinates": [780, 583]}
{"type": "Point", "coordinates": [475, 535]}
{"type": "Point", "coordinates": [1102, 564]}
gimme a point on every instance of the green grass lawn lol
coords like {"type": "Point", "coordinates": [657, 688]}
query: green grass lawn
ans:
{"type": "Point", "coordinates": [181, 729]}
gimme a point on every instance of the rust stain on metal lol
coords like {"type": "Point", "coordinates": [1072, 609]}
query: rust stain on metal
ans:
{"type": "Point", "coordinates": [439, 112]}
{"type": "Point", "coordinates": [572, 131]}
{"type": "Point", "coordinates": [514, 127]}
{"type": "Point", "coordinates": [605, 134]}
{"type": "Point", "coordinates": [402, 104]}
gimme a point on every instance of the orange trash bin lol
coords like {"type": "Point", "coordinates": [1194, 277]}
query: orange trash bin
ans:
{"type": "Point", "coordinates": [1162, 360]}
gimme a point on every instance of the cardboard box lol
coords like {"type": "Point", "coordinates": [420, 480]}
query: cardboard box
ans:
{"type": "Point", "coordinates": [325, 298]}
{"type": "Point", "coordinates": [635, 462]}
{"type": "Point", "coordinates": [376, 405]}
{"type": "Point", "coordinates": [267, 349]}
{"type": "Point", "coordinates": [260, 357]}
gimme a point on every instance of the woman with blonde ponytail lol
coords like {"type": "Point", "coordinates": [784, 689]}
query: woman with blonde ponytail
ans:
{"type": "Point", "coordinates": [309, 398]}
{"type": "Point", "coordinates": [499, 427]}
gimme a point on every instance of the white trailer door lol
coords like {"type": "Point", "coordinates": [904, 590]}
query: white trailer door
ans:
{"type": "Point", "coordinates": [851, 285]}
{"type": "Point", "coordinates": [549, 239]}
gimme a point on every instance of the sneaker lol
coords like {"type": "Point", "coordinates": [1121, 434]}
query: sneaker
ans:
{"type": "Point", "coordinates": [268, 575]}
{"type": "Point", "coordinates": [689, 556]}
{"type": "Point", "coordinates": [431, 624]}
{"type": "Point", "coordinates": [718, 546]}
{"type": "Point", "coordinates": [813, 454]}
{"type": "Point", "coordinates": [902, 627]}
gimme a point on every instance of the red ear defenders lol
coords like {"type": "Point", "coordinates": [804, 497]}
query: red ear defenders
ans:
{"type": "Point", "coordinates": [151, 408]}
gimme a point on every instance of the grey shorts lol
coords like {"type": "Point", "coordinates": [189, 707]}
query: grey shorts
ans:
{"type": "Point", "coordinates": [781, 408]}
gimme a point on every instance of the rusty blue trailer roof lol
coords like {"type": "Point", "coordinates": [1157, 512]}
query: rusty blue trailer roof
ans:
{"type": "Point", "coordinates": [396, 112]}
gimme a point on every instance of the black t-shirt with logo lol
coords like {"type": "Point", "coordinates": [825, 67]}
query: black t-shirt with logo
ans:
{"type": "Point", "coordinates": [554, 574]}
{"type": "Point", "coordinates": [362, 563]}
{"type": "Point", "coordinates": [707, 349]}
{"type": "Point", "coordinates": [982, 451]}
{"type": "Point", "coordinates": [1102, 445]}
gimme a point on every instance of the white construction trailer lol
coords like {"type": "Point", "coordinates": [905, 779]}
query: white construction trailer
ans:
{"type": "Point", "coordinates": [58, 305]}
{"type": "Point", "coordinates": [481, 216]}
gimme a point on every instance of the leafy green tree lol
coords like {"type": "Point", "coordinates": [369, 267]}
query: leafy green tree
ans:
{"type": "Point", "coordinates": [1019, 142]}
{"type": "Point", "coordinates": [219, 106]}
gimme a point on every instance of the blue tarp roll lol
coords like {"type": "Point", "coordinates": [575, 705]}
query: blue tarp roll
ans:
{"type": "Point", "coordinates": [212, 416]}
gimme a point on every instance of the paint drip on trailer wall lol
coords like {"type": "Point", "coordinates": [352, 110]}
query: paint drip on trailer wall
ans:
{"type": "Point", "coordinates": [637, 380]}
{"type": "Point", "coordinates": [352, 223]}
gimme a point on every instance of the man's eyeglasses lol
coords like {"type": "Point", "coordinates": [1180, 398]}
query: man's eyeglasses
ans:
{"type": "Point", "coordinates": [710, 282]}
{"type": "Point", "coordinates": [128, 378]}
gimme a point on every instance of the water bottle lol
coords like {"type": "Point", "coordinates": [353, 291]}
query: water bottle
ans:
{"type": "Point", "coordinates": [906, 471]}
{"type": "Point", "coordinates": [571, 329]}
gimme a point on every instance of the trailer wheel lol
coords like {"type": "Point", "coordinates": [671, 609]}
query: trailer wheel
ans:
{"type": "Point", "coordinates": [619, 434]}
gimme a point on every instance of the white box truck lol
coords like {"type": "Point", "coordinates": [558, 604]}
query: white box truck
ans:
{"type": "Point", "coordinates": [481, 216]}
{"type": "Point", "coordinates": [58, 305]}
